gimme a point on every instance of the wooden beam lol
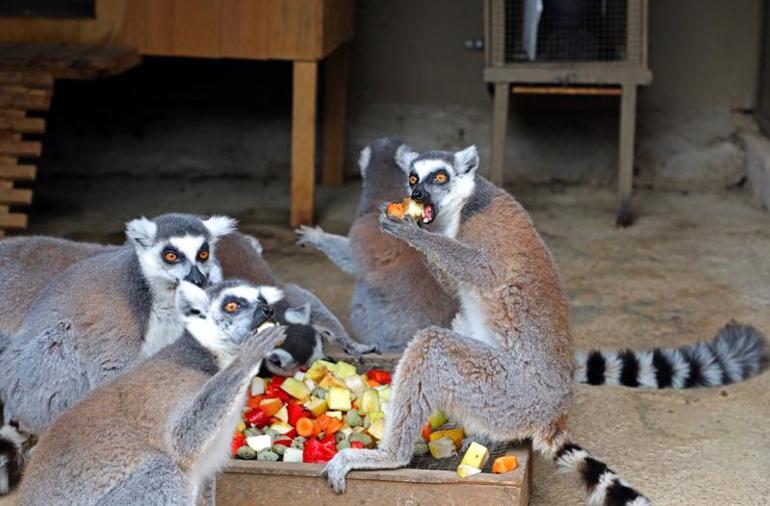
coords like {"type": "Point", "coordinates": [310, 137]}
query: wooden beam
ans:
{"type": "Point", "coordinates": [567, 90]}
{"type": "Point", "coordinates": [28, 99]}
{"type": "Point", "coordinates": [303, 137]}
{"type": "Point", "coordinates": [18, 172]}
{"type": "Point", "coordinates": [23, 125]}
{"type": "Point", "coordinates": [13, 220]}
{"type": "Point", "coordinates": [26, 77]}
{"type": "Point", "coordinates": [15, 196]}
{"type": "Point", "coordinates": [335, 109]}
{"type": "Point", "coordinates": [499, 129]}
{"type": "Point", "coordinates": [20, 148]}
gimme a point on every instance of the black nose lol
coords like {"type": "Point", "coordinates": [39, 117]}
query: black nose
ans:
{"type": "Point", "coordinates": [418, 195]}
{"type": "Point", "coordinates": [267, 311]}
{"type": "Point", "coordinates": [195, 276]}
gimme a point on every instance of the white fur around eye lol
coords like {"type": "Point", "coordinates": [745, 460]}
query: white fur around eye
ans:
{"type": "Point", "coordinates": [220, 225]}
{"type": "Point", "coordinates": [189, 245]}
{"type": "Point", "coordinates": [424, 168]}
{"type": "Point", "coordinates": [271, 294]}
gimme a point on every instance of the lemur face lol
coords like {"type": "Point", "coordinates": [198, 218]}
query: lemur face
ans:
{"type": "Point", "coordinates": [441, 180]}
{"type": "Point", "coordinates": [224, 315]}
{"type": "Point", "coordinates": [176, 247]}
{"type": "Point", "coordinates": [302, 347]}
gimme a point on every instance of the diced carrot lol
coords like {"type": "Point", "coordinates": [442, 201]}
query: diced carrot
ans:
{"type": "Point", "coordinates": [373, 383]}
{"type": "Point", "coordinates": [426, 432]}
{"type": "Point", "coordinates": [305, 427]}
{"type": "Point", "coordinates": [253, 402]}
{"type": "Point", "coordinates": [316, 428]}
{"type": "Point", "coordinates": [333, 426]}
{"type": "Point", "coordinates": [505, 464]}
{"type": "Point", "coordinates": [270, 406]}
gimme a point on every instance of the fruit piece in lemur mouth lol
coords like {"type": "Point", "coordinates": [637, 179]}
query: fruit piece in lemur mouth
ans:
{"type": "Point", "coordinates": [408, 207]}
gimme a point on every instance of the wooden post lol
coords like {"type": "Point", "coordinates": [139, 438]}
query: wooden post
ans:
{"type": "Point", "coordinates": [626, 153]}
{"type": "Point", "coordinates": [303, 136]}
{"type": "Point", "coordinates": [335, 108]}
{"type": "Point", "coordinates": [499, 127]}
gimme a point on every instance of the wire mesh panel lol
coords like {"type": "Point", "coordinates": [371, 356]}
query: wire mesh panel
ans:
{"type": "Point", "coordinates": [571, 30]}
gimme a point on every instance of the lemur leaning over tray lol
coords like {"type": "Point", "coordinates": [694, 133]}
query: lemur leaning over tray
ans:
{"type": "Point", "coordinates": [97, 318]}
{"type": "Point", "coordinates": [177, 410]}
{"type": "Point", "coordinates": [396, 296]}
{"type": "Point", "coordinates": [505, 370]}
{"type": "Point", "coordinates": [33, 267]}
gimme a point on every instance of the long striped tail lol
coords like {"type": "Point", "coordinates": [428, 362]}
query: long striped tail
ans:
{"type": "Point", "coordinates": [603, 485]}
{"type": "Point", "coordinates": [735, 354]}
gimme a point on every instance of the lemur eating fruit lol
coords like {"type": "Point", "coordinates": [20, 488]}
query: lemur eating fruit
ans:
{"type": "Point", "coordinates": [505, 370]}
{"type": "Point", "coordinates": [177, 410]}
{"type": "Point", "coordinates": [394, 284]}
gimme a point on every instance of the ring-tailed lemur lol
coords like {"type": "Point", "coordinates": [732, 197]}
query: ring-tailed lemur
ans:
{"type": "Point", "coordinates": [171, 418]}
{"type": "Point", "coordinates": [392, 279]}
{"type": "Point", "coordinates": [505, 370]}
{"type": "Point", "coordinates": [101, 315]}
{"type": "Point", "coordinates": [395, 295]}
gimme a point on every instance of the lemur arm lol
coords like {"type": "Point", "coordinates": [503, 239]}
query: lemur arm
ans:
{"type": "Point", "coordinates": [320, 316]}
{"type": "Point", "coordinates": [198, 422]}
{"type": "Point", "coordinates": [461, 261]}
{"type": "Point", "coordinates": [335, 247]}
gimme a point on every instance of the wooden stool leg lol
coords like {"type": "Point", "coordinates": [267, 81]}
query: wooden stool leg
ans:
{"type": "Point", "coordinates": [499, 127]}
{"type": "Point", "coordinates": [625, 215]}
{"type": "Point", "coordinates": [335, 108]}
{"type": "Point", "coordinates": [303, 134]}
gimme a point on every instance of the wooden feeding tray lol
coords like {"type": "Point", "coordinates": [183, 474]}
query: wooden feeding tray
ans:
{"type": "Point", "coordinates": [426, 481]}
{"type": "Point", "coordinates": [248, 482]}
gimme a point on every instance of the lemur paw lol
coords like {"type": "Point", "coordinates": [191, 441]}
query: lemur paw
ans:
{"type": "Point", "coordinates": [336, 470]}
{"type": "Point", "coordinates": [309, 236]}
{"type": "Point", "coordinates": [397, 227]}
{"type": "Point", "coordinates": [263, 342]}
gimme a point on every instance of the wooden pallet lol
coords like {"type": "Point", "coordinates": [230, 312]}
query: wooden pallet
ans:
{"type": "Point", "coordinates": [27, 76]}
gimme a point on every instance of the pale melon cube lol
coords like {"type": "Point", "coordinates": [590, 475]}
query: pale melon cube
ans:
{"type": "Point", "coordinates": [343, 370]}
{"type": "Point", "coordinates": [292, 455]}
{"type": "Point", "coordinates": [281, 427]}
{"type": "Point", "coordinates": [259, 443]}
{"type": "Point", "coordinates": [317, 371]}
{"type": "Point", "coordinates": [335, 414]}
{"type": "Point", "coordinates": [347, 430]}
{"type": "Point", "coordinates": [370, 402]}
{"type": "Point", "coordinates": [476, 456]}
{"type": "Point", "coordinates": [310, 384]}
{"type": "Point", "coordinates": [339, 399]}
{"type": "Point", "coordinates": [317, 406]}
{"type": "Point", "coordinates": [466, 471]}
{"type": "Point", "coordinates": [384, 393]}
{"type": "Point", "coordinates": [299, 376]}
{"type": "Point", "coordinates": [295, 388]}
{"type": "Point", "coordinates": [356, 384]}
{"type": "Point", "coordinates": [283, 414]}
{"type": "Point", "coordinates": [257, 386]}
{"type": "Point", "coordinates": [442, 448]}
{"type": "Point", "coordinates": [377, 429]}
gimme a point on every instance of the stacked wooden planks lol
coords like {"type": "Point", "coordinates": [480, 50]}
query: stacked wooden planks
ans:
{"type": "Point", "coordinates": [27, 76]}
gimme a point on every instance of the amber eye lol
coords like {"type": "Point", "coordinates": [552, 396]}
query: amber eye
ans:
{"type": "Point", "coordinates": [203, 255]}
{"type": "Point", "coordinates": [232, 306]}
{"type": "Point", "coordinates": [412, 180]}
{"type": "Point", "coordinates": [170, 256]}
{"type": "Point", "coordinates": [440, 178]}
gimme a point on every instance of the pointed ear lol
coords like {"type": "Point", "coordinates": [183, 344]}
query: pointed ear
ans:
{"type": "Point", "coordinates": [363, 160]}
{"type": "Point", "coordinates": [298, 315]}
{"type": "Point", "coordinates": [271, 294]}
{"type": "Point", "coordinates": [467, 160]}
{"type": "Point", "coordinates": [220, 225]}
{"type": "Point", "coordinates": [405, 155]}
{"type": "Point", "coordinates": [191, 301]}
{"type": "Point", "coordinates": [141, 232]}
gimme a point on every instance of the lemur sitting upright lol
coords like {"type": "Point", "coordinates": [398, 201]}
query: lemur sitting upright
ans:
{"type": "Point", "coordinates": [394, 284]}
{"type": "Point", "coordinates": [98, 317]}
{"type": "Point", "coordinates": [176, 412]}
{"type": "Point", "coordinates": [396, 295]}
{"type": "Point", "coordinates": [504, 371]}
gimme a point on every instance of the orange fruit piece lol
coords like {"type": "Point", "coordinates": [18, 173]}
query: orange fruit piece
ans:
{"type": "Point", "coordinates": [505, 464]}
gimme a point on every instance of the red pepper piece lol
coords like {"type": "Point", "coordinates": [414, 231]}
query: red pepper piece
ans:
{"type": "Point", "coordinates": [330, 442]}
{"type": "Point", "coordinates": [256, 418]}
{"type": "Point", "coordinates": [380, 376]}
{"type": "Point", "coordinates": [283, 442]}
{"type": "Point", "coordinates": [291, 434]}
{"type": "Point", "coordinates": [358, 445]}
{"type": "Point", "coordinates": [315, 452]}
{"type": "Point", "coordinates": [296, 412]}
{"type": "Point", "coordinates": [238, 441]}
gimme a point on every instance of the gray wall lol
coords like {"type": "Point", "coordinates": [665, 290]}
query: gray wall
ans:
{"type": "Point", "coordinates": [412, 76]}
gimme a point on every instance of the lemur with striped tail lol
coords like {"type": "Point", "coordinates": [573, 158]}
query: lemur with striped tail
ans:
{"type": "Point", "coordinates": [393, 279]}
{"type": "Point", "coordinates": [505, 369]}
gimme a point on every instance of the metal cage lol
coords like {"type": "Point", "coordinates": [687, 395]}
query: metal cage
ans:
{"type": "Point", "coordinates": [575, 47]}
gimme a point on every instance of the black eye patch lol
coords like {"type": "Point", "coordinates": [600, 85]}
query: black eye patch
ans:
{"type": "Point", "coordinates": [203, 253]}
{"type": "Point", "coordinates": [233, 304]}
{"type": "Point", "coordinates": [413, 179]}
{"type": "Point", "coordinates": [440, 177]}
{"type": "Point", "coordinates": [171, 255]}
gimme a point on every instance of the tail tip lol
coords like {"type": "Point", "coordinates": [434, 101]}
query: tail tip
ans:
{"type": "Point", "coordinates": [745, 343]}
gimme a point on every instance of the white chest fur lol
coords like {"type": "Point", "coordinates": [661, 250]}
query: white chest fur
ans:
{"type": "Point", "coordinates": [163, 328]}
{"type": "Point", "coordinates": [471, 321]}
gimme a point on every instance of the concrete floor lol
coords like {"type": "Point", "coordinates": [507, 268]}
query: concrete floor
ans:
{"type": "Point", "coordinates": [691, 263]}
